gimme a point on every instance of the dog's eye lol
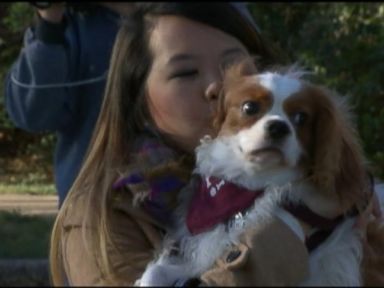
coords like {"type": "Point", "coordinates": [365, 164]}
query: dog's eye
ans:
{"type": "Point", "coordinates": [250, 108]}
{"type": "Point", "coordinates": [299, 118]}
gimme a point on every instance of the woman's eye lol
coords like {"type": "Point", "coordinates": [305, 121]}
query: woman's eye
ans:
{"type": "Point", "coordinates": [250, 108]}
{"type": "Point", "coordinates": [299, 118]}
{"type": "Point", "coordinates": [184, 73]}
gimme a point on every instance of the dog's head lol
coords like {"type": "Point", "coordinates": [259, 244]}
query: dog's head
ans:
{"type": "Point", "coordinates": [280, 121]}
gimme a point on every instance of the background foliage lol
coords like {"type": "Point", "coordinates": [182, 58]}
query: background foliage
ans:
{"type": "Point", "coordinates": [25, 158]}
{"type": "Point", "coordinates": [343, 43]}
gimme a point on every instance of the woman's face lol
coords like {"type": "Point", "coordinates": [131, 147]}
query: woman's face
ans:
{"type": "Point", "coordinates": [184, 80]}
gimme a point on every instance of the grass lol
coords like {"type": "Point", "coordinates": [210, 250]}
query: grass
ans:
{"type": "Point", "coordinates": [26, 175]}
{"type": "Point", "coordinates": [24, 236]}
{"type": "Point", "coordinates": [32, 189]}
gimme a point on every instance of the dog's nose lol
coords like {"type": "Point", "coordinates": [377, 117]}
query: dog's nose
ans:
{"type": "Point", "coordinates": [277, 129]}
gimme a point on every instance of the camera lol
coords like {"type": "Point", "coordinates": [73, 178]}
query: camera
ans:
{"type": "Point", "coordinates": [73, 5]}
{"type": "Point", "coordinates": [41, 5]}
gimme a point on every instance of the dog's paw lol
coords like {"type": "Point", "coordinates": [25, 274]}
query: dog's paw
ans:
{"type": "Point", "coordinates": [137, 283]}
{"type": "Point", "coordinates": [154, 275]}
{"type": "Point", "coordinates": [163, 275]}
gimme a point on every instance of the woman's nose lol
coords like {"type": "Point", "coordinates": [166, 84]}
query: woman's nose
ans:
{"type": "Point", "coordinates": [213, 90]}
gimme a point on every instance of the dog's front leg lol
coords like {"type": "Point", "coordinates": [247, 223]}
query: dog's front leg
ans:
{"type": "Point", "coordinates": [164, 272]}
{"type": "Point", "coordinates": [162, 275]}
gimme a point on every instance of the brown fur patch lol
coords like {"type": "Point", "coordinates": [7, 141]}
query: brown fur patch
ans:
{"type": "Point", "coordinates": [373, 259]}
{"type": "Point", "coordinates": [240, 86]}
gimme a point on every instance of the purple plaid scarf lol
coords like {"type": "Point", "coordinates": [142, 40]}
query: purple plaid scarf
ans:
{"type": "Point", "coordinates": [156, 192]}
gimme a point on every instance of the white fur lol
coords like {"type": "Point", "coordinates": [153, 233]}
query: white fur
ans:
{"type": "Point", "coordinates": [281, 86]}
{"type": "Point", "coordinates": [335, 262]}
{"type": "Point", "coordinates": [222, 158]}
{"type": "Point", "coordinates": [218, 157]}
{"type": "Point", "coordinates": [291, 221]}
{"type": "Point", "coordinates": [379, 189]}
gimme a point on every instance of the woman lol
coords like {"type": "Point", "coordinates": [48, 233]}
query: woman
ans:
{"type": "Point", "coordinates": [162, 87]}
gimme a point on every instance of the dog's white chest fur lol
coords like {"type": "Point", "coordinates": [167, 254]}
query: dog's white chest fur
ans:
{"type": "Point", "coordinates": [335, 263]}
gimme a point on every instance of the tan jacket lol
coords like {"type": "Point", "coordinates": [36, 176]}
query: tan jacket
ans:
{"type": "Point", "coordinates": [267, 255]}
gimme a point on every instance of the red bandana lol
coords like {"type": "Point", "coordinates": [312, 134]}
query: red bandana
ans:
{"type": "Point", "coordinates": [215, 201]}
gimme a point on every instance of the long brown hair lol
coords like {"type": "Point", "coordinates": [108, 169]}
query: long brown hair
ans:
{"type": "Point", "coordinates": [124, 112]}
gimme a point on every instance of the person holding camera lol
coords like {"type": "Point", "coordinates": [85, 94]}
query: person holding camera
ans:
{"type": "Point", "coordinates": [57, 82]}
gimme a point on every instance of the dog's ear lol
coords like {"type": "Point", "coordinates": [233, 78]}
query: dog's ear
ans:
{"type": "Point", "coordinates": [220, 112]}
{"type": "Point", "coordinates": [234, 73]}
{"type": "Point", "coordinates": [373, 260]}
{"type": "Point", "coordinates": [339, 165]}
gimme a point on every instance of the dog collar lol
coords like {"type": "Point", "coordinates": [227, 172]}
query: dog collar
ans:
{"type": "Point", "coordinates": [215, 201]}
{"type": "Point", "coordinates": [324, 226]}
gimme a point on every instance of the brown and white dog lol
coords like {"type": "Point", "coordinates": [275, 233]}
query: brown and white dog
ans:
{"type": "Point", "coordinates": [292, 146]}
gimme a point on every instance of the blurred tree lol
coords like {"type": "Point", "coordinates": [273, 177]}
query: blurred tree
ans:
{"type": "Point", "coordinates": [15, 17]}
{"type": "Point", "coordinates": [14, 142]}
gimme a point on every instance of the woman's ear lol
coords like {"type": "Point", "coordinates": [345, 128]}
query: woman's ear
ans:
{"type": "Point", "coordinates": [339, 165]}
